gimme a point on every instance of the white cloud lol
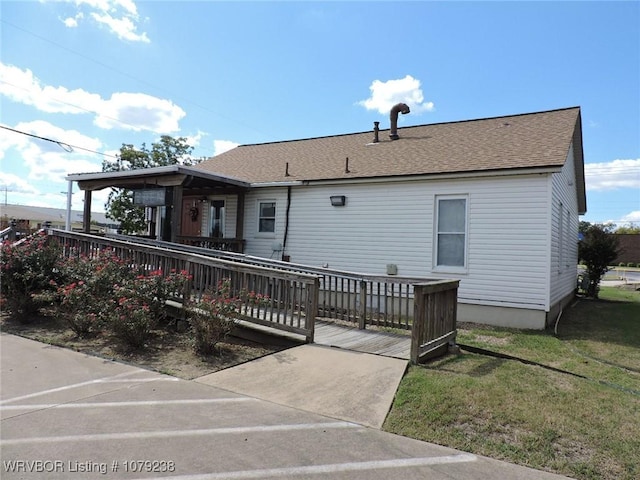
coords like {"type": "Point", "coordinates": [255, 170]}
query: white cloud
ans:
{"type": "Point", "coordinates": [633, 217]}
{"type": "Point", "coordinates": [23, 87]}
{"type": "Point", "coordinates": [48, 161]}
{"type": "Point", "coordinates": [384, 95]}
{"type": "Point", "coordinates": [13, 183]}
{"type": "Point", "coordinates": [123, 27]}
{"type": "Point", "coordinates": [194, 140]}
{"type": "Point", "coordinates": [129, 111]}
{"type": "Point", "coordinates": [46, 165]}
{"type": "Point", "coordinates": [613, 175]}
{"type": "Point", "coordinates": [221, 146]}
{"type": "Point", "coordinates": [119, 16]}
{"type": "Point", "coordinates": [139, 111]}
{"type": "Point", "coordinates": [72, 22]}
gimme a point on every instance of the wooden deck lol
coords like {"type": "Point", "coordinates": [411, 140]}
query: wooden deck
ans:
{"type": "Point", "coordinates": [298, 298]}
{"type": "Point", "coordinates": [365, 341]}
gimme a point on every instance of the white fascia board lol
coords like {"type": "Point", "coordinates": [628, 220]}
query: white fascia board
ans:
{"type": "Point", "coordinates": [144, 172]}
{"type": "Point", "coordinates": [438, 176]}
{"type": "Point", "coordinates": [292, 183]}
{"type": "Point", "coordinates": [78, 177]}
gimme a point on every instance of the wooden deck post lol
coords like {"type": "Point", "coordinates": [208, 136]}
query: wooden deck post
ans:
{"type": "Point", "coordinates": [435, 317]}
{"type": "Point", "coordinates": [310, 316]}
{"type": "Point", "coordinates": [418, 322]}
{"type": "Point", "coordinates": [362, 316]}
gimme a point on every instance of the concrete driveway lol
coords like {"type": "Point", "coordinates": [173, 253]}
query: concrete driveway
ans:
{"type": "Point", "coordinates": [66, 415]}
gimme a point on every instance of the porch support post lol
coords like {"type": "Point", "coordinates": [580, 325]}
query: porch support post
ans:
{"type": "Point", "coordinates": [67, 218]}
{"type": "Point", "coordinates": [240, 220]}
{"type": "Point", "coordinates": [158, 231]}
{"type": "Point", "coordinates": [176, 213]}
{"type": "Point", "coordinates": [86, 217]}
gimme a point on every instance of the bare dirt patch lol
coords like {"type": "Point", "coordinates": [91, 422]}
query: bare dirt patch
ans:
{"type": "Point", "coordinates": [169, 351]}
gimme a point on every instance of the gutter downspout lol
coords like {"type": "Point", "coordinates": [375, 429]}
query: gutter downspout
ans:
{"type": "Point", "coordinates": [286, 225]}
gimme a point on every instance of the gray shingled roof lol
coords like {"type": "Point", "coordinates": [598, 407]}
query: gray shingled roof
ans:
{"type": "Point", "coordinates": [533, 140]}
{"type": "Point", "coordinates": [43, 214]}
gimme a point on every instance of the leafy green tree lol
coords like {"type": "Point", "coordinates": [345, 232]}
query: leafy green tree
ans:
{"type": "Point", "coordinates": [583, 226]}
{"type": "Point", "coordinates": [597, 250]}
{"type": "Point", "coordinates": [632, 228]}
{"type": "Point", "coordinates": [168, 151]}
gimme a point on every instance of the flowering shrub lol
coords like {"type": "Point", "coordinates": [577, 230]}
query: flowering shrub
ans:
{"type": "Point", "coordinates": [86, 290]}
{"type": "Point", "coordinates": [27, 270]}
{"type": "Point", "coordinates": [78, 308]}
{"type": "Point", "coordinates": [140, 304]}
{"type": "Point", "coordinates": [256, 299]}
{"type": "Point", "coordinates": [212, 319]}
{"type": "Point", "coordinates": [108, 292]}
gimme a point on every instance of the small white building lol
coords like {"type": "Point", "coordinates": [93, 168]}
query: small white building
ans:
{"type": "Point", "coordinates": [493, 202]}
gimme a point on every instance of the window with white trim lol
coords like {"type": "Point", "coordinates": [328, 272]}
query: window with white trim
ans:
{"type": "Point", "coordinates": [451, 231]}
{"type": "Point", "coordinates": [267, 216]}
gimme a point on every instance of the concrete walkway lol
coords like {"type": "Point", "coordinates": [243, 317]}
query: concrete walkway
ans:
{"type": "Point", "coordinates": [352, 386]}
{"type": "Point", "coordinates": [65, 415]}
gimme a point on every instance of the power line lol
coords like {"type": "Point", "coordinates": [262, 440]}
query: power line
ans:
{"type": "Point", "coordinates": [128, 75]}
{"type": "Point", "coordinates": [65, 146]}
{"type": "Point", "coordinates": [72, 105]}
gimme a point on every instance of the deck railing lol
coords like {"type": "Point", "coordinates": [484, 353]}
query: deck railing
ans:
{"type": "Point", "coordinates": [427, 307]}
{"type": "Point", "coordinates": [291, 297]}
{"type": "Point", "coordinates": [6, 234]}
{"type": "Point", "coordinates": [435, 317]}
{"type": "Point", "coordinates": [361, 299]}
{"type": "Point", "coordinates": [213, 243]}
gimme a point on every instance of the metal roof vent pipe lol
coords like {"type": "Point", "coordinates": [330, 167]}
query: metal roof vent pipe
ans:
{"type": "Point", "coordinates": [376, 129]}
{"type": "Point", "coordinates": [402, 108]}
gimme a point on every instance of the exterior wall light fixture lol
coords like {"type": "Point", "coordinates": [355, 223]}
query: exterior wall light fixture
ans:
{"type": "Point", "coordinates": [338, 200]}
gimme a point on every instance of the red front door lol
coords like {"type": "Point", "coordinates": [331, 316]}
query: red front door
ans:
{"type": "Point", "coordinates": [191, 217]}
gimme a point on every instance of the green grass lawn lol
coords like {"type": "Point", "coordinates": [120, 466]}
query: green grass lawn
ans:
{"type": "Point", "coordinates": [586, 428]}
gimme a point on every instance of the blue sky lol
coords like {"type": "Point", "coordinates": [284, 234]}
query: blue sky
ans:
{"type": "Point", "coordinates": [95, 74]}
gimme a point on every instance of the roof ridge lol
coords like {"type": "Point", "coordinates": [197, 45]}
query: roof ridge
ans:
{"type": "Point", "coordinates": [411, 126]}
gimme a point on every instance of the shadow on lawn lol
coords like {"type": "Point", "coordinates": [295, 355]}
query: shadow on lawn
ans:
{"type": "Point", "coordinates": [613, 321]}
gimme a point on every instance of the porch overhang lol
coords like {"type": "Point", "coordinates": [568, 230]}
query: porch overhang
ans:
{"type": "Point", "coordinates": [177, 179]}
{"type": "Point", "coordinates": [168, 176]}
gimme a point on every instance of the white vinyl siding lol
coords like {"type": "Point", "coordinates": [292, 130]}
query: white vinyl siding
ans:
{"type": "Point", "coordinates": [261, 244]}
{"type": "Point", "coordinates": [507, 259]}
{"type": "Point", "coordinates": [230, 216]}
{"type": "Point", "coordinates": [561, 237]}
{"type": "Point", "coordinates": [564, 232]}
